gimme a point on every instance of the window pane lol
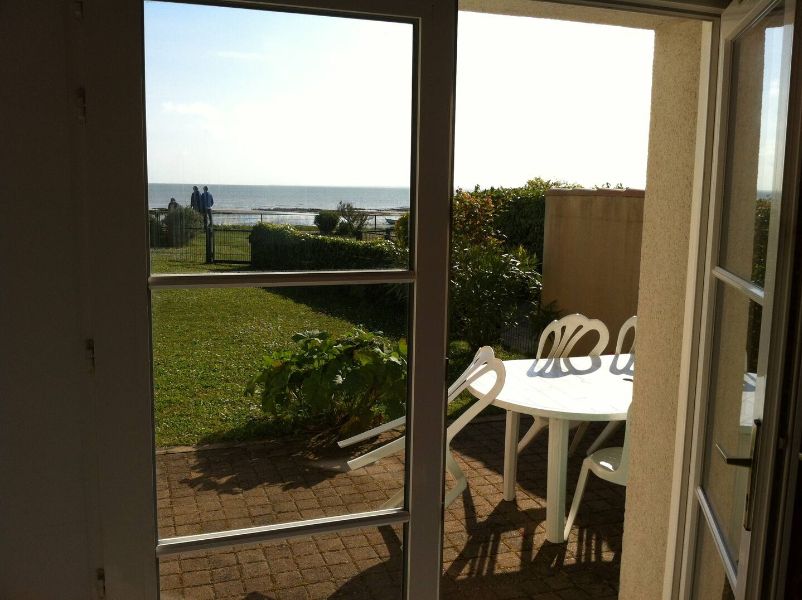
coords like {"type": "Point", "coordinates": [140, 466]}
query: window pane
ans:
{"type": "Point", "coordinates": [710, 581]}
{"type": "Point", "coordinates": [732, 406]}
{"type": "Point", "coordinates": [353, 564]}
{"type": "Point", "coordinates": [754, 153]}
{"type": "Point", "coordinates": [299, 126]}
{"type": "Point", "coordinates": [253, 388]}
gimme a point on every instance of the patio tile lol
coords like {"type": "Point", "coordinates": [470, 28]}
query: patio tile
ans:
{"type": "Point", "coordinates": [492, 549]}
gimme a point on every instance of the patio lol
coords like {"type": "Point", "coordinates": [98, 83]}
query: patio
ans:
{"type": "Point", "coordinates": [492, 548]}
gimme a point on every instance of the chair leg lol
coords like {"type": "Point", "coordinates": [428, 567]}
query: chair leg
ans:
{"type": "Point", "coordinates": [531, 433]}
{"type": "Point", "coordinates": [396, 500]}
{"type": "Point", "coordinates": [580, 489]}
{"type": "Point", "coordinates": [371, 457]}
{"type": "Point", "coordinates": [606, 433]}
{"type": "Point", "coordinates": [580, 433]}
{"type": "Point", "coordinates": [460, 482]}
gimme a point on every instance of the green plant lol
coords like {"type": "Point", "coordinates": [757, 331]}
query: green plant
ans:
{"type": "Point", "coordinates": [354, 218]}
{"type": "Point", "coordinates": [350, 382]}
{"type": "Point", "coordinates": [181, 225]}
{"type": "Point", "coordinates": [401, 231]}
{"type": "Point", "coordinates": [489, 287]}
{"type": "Point", "coordinates": [520, 213]}
{"type": "Point", "coordinates": [326, 221]}
{"type": "Point", "coordinates": [345, 229]}
{"type": "Point", "coordinates": [156, 231]}
{"type": "Point", "coordinates": [473, 219]}
{"type": "Point", "coordinates": [282, 248]}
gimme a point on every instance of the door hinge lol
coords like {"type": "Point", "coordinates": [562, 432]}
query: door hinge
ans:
{"type": "Point", "coordinates": [78, 9]}
{"type": "Point", "coordinates": [89, 347]}
{"type": "Point", "coordinates": [80, 105]}
{"type": "Point", "coordinates": [100, 583]}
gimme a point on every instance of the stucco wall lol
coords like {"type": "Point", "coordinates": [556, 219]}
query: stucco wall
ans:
{"type": "Point", "coordinates": [591, 254]}
{"type": "Point", "coordinates": [661, 305]}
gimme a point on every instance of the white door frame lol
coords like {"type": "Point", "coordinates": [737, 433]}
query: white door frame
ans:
{"type": "Point", "coordinates": [109, 47]}
{"type": "Point", "coordinates": [115, 186]}
{"type": "Point", "coordinates": [687, 468]}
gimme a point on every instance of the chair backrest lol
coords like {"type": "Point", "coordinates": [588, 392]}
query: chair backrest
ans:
{"type": "Point", "coordinates": [568, 331]}
{"type": "Point", "coordinates": [630, 323]}
{"type": "Point", "coordinates": [484, 362]}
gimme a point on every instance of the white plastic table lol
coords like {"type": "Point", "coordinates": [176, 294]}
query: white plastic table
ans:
{"type": "Point", "coordinates": [561, 390]}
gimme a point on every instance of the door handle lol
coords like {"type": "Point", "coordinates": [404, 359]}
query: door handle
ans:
{"type": "Point", "coordinates": [735, 461]}
{"type": "Point", "coordinates": [749, 463]}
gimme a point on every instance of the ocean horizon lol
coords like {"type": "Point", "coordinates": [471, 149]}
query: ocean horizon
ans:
{"type": "Point", "coordinates": [255, 197]}
{"type": "Point", "coordinates": [302, 202]}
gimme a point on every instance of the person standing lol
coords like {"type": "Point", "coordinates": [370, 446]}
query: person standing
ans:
{"type": "Point", "coordinates": [194, 200]}
{"type": "Point", "coordinates": [206, 203]}
{"type": "Point", "coordinates": [173, 204]}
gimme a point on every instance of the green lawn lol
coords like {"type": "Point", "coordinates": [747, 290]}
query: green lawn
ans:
{"type": "Point", "coordinates": [207, 343]}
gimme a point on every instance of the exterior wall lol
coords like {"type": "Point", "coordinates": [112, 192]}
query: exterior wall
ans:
{"type": "Point", "coordinates": [45, 520]}
{"type": "Point", "coordinates": [591, 254]}
{"type": "Point", "coordinates": [661, 306]}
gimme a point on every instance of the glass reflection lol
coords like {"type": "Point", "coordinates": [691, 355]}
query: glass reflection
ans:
{"type": "Point", "coordinates": [753, 182]}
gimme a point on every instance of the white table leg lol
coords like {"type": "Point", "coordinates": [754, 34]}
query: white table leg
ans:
{"type": "Point", "coordinates": [555, 486]}
{"type": "Point", "coordinates": [511, 453]}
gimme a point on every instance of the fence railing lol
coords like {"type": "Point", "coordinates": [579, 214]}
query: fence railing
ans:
{"type": "Point", "coordinates": [226, 241]}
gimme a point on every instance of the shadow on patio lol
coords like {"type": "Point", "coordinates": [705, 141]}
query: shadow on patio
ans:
{"type": "Point", "coordinates": [491, 548]}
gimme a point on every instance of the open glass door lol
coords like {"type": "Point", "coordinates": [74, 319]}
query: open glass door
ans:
{"type": "Point", "coordinates": [737, 349]}
{"type": "Point", "coordinates": [321, 107]}
{"type": "Point", "coordinates": [327, 84]}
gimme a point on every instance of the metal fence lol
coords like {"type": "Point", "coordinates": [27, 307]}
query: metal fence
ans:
{"type": "Point", "coordinates": [181, 233]}
{"type": "Point", "coordinates": [522, 338]}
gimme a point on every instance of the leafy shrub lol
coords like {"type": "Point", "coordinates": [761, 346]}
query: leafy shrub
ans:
{"type": "Point", "coordinates": [326, 221]}
{"type": "Point", "coordinates": [351, 382]}
{"type": "Point", "coordinates": [489, 286]}
{"type": "Point", "coordinates": [401, 231]}
{"type": "Point", "coordinates": [282, 248]}
{"type": "Point", "coordinates": [473, 219]}
{"type": "Point", "coordinates": [345, 229]}
{"type": "Point", "coordinates": [182, 224]}
{"type": "Point", "coordinates": [520, 213]}
{"type": "Point", "coordinates": [156, 231]}
{"type": "Point", "coordinates": [353, 217]}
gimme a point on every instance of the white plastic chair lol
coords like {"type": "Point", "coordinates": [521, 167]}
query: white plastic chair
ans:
{"type": "Point", "coordinates": [566, 333]}
{"type": "Point", "coordinates": [610, 464]}
{"type": "Point", "coordinates": [610, 428]}
{"type": "Point", "coordinates": [483, 363]}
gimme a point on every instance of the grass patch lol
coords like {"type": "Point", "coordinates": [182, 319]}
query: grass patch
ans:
{"type": "Point", "coordinates": [208, 342]}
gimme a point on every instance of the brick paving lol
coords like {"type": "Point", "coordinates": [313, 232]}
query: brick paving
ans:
{"type": "Point", "coordinates": [491, 549]}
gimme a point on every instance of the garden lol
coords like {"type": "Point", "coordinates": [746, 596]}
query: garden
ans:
{"type": "Point", "coordinates": [239, 364]}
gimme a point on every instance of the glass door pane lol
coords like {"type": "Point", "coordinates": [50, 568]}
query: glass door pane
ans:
{"type": "Point", "coordinates": [742, 276]}
{"type": "Point", "coordinates": [279, 142]}
{"type": "Point", "coordinates": [276, 140]}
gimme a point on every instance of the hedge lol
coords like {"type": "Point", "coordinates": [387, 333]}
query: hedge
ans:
{"type": "Point", "coordinates": [520, 213]}
{"type": "Point", "coordinates": [174, 228]}
{"type": "Point", "coordinates": [282, 248]}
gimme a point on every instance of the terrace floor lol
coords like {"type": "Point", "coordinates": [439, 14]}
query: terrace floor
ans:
{"type": "Point", "coordinates": [492, 548]}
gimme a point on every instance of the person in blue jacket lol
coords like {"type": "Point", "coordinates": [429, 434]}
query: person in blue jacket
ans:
{"type": "Point", "coordinates": [206, 203]}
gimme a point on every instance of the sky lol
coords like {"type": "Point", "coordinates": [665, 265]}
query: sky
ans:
{"type": "Point", "coordinates": [237, 96]}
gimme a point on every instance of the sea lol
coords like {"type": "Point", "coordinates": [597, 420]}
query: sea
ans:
{"type": "Point", "coordinates": [287, 204]}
